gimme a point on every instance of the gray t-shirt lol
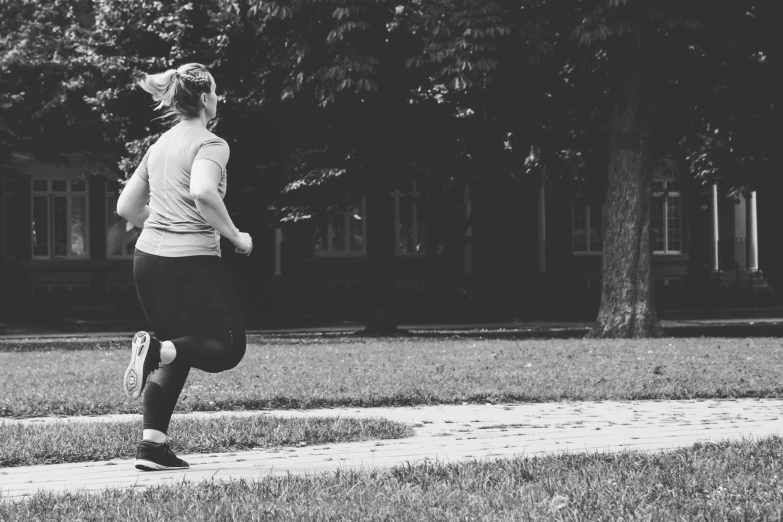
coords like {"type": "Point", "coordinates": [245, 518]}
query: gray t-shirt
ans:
{"type": "Point", "coordinates": [175, 227]}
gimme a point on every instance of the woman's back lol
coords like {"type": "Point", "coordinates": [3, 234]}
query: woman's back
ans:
{"type": "Point", "coordinates": [175, 227]}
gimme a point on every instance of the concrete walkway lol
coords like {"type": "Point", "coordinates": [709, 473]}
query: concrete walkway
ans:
{"type": "Point", "coordinates": [442, 433]}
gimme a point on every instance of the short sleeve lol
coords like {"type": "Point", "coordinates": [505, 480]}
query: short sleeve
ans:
{"type": "Point", "coordinates": [142, 171]}
{"type": "Point", "coordinates": [214, 149]}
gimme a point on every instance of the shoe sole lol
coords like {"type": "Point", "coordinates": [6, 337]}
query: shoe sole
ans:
{"type": "Point", "coordinates": [134, 374]}
{"type": "Point", "coordinates": [148, 465]}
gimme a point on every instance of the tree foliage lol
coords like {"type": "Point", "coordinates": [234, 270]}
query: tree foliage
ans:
{"type": "Point", "coordinates": [495, 77]}
{"type": "Point", "coordinates": [42, 83]}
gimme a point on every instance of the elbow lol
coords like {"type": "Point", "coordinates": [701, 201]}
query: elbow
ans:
{"type": "Point", "coordinates": [123, 211]}
{"type": "Point", "coordinates": [200, 196]}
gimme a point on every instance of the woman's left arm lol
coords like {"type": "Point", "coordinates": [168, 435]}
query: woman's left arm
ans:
{"type": "Point", "coordinates": [133, 201]}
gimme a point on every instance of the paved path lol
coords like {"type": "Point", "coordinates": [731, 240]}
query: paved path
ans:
{"type": "Point", "coordinates": [443, 433]}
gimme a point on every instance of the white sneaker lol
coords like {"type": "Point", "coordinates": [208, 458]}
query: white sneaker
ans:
{"type": "Point", "coordinates": [145, 358]}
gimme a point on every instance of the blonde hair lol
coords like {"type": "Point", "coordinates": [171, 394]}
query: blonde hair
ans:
{"type": "Point", "coordinates": [177, 91]}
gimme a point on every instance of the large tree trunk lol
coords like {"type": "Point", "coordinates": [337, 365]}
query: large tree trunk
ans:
{"type": "Point", "coordinates": [627, 307]}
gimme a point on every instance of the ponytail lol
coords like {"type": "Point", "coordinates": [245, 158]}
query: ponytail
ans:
{"type": "Point", "coordinates": [177, 91]}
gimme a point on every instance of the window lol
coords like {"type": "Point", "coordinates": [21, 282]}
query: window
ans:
{"type": "Point", "coordinates": [121, 235]}
{"type": "Point", "coordinates": [666, 219]}
{"type": "Point", "coordinates": [410, 234]}
{"type": "Point", "coordinates": [343, 231]}
{"type": "Point", "coordinates": [7, 205]}
{"type": "Point", "coordinates": [586, 226]}
{"type": "Point", "coordinates": [60, 215]}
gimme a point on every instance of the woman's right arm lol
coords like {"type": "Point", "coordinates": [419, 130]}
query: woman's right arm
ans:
{"type": "Point", "coordinates": [133, 200]}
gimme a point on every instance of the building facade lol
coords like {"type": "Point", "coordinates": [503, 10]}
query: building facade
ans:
{"type": "Point", "coordinates": [62, 242]}
{"type": "Point", "coordinates": [507, 249]}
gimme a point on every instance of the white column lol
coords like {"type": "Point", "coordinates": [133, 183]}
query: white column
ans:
{"type": "Point", "coordinates": [542, 226]}
{"type": "Point", "coordinates": [714, 229]}
{"type": "Point", "coordinates": [467, 252]}
{"type": "Point", "coordinates": [752, 233]}
{"type": "Point", "coordinates": [278, 254]}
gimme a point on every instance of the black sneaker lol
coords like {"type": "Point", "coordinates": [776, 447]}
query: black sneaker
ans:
{"type": "Point", "coordinates": [151, 456]}
{"type": "Point", "coordinates": [145, 357]}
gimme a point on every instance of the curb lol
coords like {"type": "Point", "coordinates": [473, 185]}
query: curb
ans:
{"type": "Point", "coordinates": [763, 328]}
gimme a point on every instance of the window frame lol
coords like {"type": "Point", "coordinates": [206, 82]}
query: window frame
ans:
{"type": "Point", "coordinates": [588, 251]}
{"type": "Point", "coordinates": [665, 209]}
{"type": "Point", "coordinates": [397, 195]}
{"type": "Point", "coordinates": [8, 193]}
{"type": "Point", "coordinates": [330, 251]}
{"type": "Point", "coordinates": [49, 194]}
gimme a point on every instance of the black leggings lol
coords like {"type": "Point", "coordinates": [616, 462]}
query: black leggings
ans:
{"type": "Point", "coordinates": [191, 302]}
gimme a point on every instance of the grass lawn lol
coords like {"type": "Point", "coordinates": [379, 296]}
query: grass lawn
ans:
{"type": "Point", "coordinates": [740, 481]}
{"type": "Point", "coordinates": [312, 372]}
{"type": "Point", "coordinates": [28, 445]}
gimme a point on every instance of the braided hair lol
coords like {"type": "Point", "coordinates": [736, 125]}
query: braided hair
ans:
{"type": "Point", "coordinates": [177, 91]}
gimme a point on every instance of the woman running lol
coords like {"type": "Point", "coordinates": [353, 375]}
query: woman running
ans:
{"type": "Point", "coordinates": [176, 196]}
